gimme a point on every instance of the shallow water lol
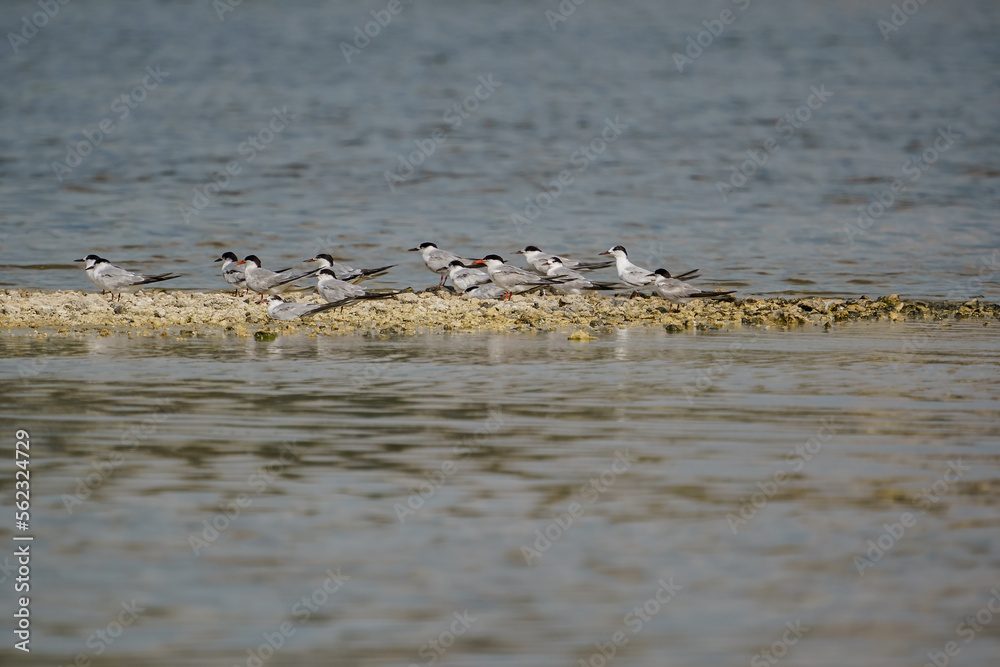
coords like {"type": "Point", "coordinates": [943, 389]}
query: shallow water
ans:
{"type": "Point", "coordinates": [320, 182]}
{"type": "Point", "coordinates": [321, 442]}
{"type": "Point", "coordinates": [339, 431]}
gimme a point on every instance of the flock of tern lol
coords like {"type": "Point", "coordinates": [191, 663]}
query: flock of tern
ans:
{"type": "Point", "coordinates": [337, 283]}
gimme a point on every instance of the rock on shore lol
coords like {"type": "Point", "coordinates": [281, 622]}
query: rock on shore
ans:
{"type": "Point", "coordinates": [200, 313]}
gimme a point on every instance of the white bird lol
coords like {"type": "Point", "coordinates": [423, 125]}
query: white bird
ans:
{"type": "Point", "coordinates": [487, 290]}
{"type": "Point", "coordinates": [575, 282]}
{"type": "Point", "coordinates": [437, 260]}
{"type": "Point", "coordinates": [264, 281]}
{"type": "Point", "coordinates": [511, 278]}
{"type": "Point", "coordinates": [491, 290]}
{"type": "Point", "coordinates": [629, 273]}
{"type": "Point", "coordinates": [536, 258]}
{"type": "Point", "coordinates": [464, 277]}
{"type": "Point", "coordinates": [231, 272]}
{"type": "Point", "coordinates": [277, 309]}
{"type": "Point", "coordinates": [115, 279]}
{"type": "Point", "coordinates": [332, 289]}
{"type": "Point", "coordinates": [345, 272]}
{"type": "Point", "coordinates": [676, 291]}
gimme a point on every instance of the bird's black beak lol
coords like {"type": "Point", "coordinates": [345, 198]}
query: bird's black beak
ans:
{"type": "Point", "coordinates": [218, 260]}
{"type": "Point", "coordinates": [413, 250]}
{"type": "Point", "coordinates": [79, 260]}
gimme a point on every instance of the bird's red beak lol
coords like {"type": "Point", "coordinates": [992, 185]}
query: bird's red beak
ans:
{"type": "Point", "coordinates": [241, 262]}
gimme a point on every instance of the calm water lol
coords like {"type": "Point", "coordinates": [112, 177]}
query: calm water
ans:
{"type": "Point", "coordinates": [320, 182]}
{"type": "Point", "coordinates": [324, 441]}
{"type": "Point", "coordinates": [319, 449]}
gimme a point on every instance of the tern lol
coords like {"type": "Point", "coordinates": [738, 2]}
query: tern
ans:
{"type": "Point", "coordinates": [511, 278]}
{"type": "Point", "coordinates": [464, 277]}
{"type": "Point", "coordinates": [437, 260]}
{"type": "Point", "coordinates": [115, 279]}
{"type": "Point", "coordinates": [535, 258]}
{"type": "Point", "coordinates": [575, 282]}
{"type": "Point", "coordinates": [485, 291]}
{"type": "Point", "coordinates": [345, 272]}
{"type": "Point", "coordinates": [277, 309]}
{"type": "Point", "coordinates": [333, 289]}
{"type": "Point", "coordinates": [629, 273]}
{"type": "Point", "coordinates": [676, 291]}
{"type": "Point", "coordinates": [232, 273]}
{"type": "Point", "coordinates": [491, 290]}
{"type": "Point", "coordinates": [264, 281]}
